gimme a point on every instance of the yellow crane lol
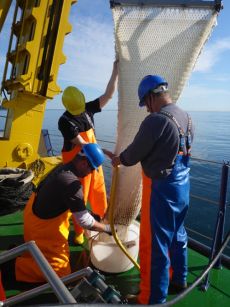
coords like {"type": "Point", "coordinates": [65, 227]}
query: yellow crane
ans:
{"type": "Point", "coordinates": [30, 74]}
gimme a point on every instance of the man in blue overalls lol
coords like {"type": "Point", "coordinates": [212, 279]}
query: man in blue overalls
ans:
{"type": "Point", "coordinates": [162, 145]}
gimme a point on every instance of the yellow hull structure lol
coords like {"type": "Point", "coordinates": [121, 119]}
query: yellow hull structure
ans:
{"type": "Point", "coordinates": [23, 127]}
{"type": "Point", "coordinates": [30, 74]}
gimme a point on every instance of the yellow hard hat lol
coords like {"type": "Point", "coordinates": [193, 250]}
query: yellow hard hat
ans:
{"type": "Point", "coordinates": [73, 100]}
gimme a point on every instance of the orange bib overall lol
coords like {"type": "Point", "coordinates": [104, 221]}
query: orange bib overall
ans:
{"type": "Point", "coordinates": [145, 244]}
{"type": "Point", "coordinates": [93, 184]}
{"type": "Point", "coordinates": [51, 236]}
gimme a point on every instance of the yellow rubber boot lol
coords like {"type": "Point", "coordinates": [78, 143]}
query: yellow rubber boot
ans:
{"type": "Point", "coordinates": [79, 239]}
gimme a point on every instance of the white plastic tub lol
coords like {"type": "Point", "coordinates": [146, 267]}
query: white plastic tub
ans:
{"type": "Point", "coordinates": [107, 256]}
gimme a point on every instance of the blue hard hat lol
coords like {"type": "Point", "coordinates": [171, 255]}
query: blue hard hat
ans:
{"type": "Point", "coordinates": [94, 154]}
{"type": "Point", "coordinates": [149, 83]}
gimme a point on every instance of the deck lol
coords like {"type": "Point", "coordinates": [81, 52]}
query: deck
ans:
{"type": "Point", "coordinates": [218, 294]}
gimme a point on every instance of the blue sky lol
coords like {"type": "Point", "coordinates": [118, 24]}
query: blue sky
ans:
{"type": "Point", "coordinates": [90, 53]}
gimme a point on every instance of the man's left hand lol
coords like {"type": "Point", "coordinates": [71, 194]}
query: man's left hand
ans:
{"type": "Point", "coordinates": [116, 161]}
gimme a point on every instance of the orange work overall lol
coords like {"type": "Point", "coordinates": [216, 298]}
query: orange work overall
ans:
{"type": "Point", "coordinates": [93, 184]}
{"type": "Point", "coordinates": [145, 244]}
{"type": "Point", "coordinates": [51, 236]}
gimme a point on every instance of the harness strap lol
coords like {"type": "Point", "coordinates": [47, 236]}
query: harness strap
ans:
{"type": "Point", "coordinates": [71, 121]}
{"type": "Point", "coordinates": [90, 120]}
{"type": "Point", "coordinates": [185, 138]}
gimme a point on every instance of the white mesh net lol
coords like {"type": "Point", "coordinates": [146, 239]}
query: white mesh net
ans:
{"type": "Point", "coordinates": [151, 40]}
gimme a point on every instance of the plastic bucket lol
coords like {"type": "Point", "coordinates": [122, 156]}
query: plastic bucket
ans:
{"type": "Point", "coordinates": [107, 256]}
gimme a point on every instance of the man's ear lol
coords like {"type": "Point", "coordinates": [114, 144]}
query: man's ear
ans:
{"type": "Point", "coordinates": [84, 163]}
{"type": "Point", "coordinates": [148, 102]}
{"type": "Point", "coordinates": [80, 163]}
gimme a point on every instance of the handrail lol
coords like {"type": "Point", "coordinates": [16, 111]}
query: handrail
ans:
{"type": "Point", "coordinates": [94, 278]}
{"type": "Point", "coordinates": [204, 160]}
{"type": "Point", "coordinates": [40, 289]}
{"type": "Point", "coordinates": [206, 251]}
{"type": "Point", "coordinates": [56, 284]}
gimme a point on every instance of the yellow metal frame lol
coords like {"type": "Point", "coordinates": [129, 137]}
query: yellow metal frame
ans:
{"type": "Point", "coordinates": [26, 107]}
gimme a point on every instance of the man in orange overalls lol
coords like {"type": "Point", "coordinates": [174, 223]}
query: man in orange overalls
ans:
{"type": "Point", "coordinates": [46, 218]}
{"type": "Point", "coordinates": [77, 128]}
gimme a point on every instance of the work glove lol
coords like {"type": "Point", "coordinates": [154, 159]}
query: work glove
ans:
{"type": "Point", "coordinates": [107, 229]}
{"type": "Point", "coordinates": [95, 216]}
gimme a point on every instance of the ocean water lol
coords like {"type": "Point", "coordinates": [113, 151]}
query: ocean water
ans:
{"type": "Point", "coordinates": [212, 132]}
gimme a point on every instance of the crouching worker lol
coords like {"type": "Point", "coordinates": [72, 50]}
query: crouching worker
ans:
{"type": "Point", "coordinates": [47, 214]}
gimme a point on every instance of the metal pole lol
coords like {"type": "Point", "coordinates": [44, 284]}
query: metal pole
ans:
{"type": "Point", "coordinates": [214, 4]}
{"type": "Point", "coordinates": [219, 229]}
{"type": "Point", "coordinates": [57, 285]}
{"type": "Point", "coordinates": [38, 290]}
{"type": "Point", "coordinates": [222, 210]}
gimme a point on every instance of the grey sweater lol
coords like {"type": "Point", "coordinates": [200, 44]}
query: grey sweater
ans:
{"type": "Point", "coordinates": [157, 142]}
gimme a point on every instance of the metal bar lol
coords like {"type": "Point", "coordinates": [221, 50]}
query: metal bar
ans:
{"type": "Point", "coordinates": [206, 250]}
{"type": "Point", "coordinates": [204, 199]}
{"type": "Point", "coordinates": [57, 285]}
{"type": "Point", "coordinates": [215, 4]}
{"type": "Point", "coordinates": [222, 209]}
{"type": "Point", "coordinates": [207, 161]}
{"type": "Point", "coordinates": [86, 272]}
{"type": "Point", "coordinates": [38, 290]}
{"type": "Point", "coordinates": [51, 41]}
{"type": "Point", "coordinates": [9, 50]}
{"type": "Point", "coordinates": [219, 229]}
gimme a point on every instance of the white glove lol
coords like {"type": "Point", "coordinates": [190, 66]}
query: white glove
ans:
{"type": "Point", "coordinates": [107, 229]}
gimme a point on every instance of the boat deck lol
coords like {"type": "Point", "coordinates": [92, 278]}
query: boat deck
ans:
{"type": "Point", "coordinates": [218, 294]}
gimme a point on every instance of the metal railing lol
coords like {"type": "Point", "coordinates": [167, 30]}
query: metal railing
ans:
{"type": "Point", "coordinates": [89, 279]}
{"type": "Point", "coordinates": [54, 281]}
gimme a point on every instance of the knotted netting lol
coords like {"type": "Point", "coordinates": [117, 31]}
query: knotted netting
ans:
{"type": "Point", "coordinates": [151, 39]}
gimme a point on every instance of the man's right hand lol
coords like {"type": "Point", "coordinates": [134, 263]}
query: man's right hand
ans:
{"type": "Point", "coordinates": [107, 229]}
{"type": "Point", "coordinates": [116, 161]}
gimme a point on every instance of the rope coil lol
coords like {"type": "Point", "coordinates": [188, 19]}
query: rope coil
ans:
{"type": "Point", "coordinates": [15, 189]}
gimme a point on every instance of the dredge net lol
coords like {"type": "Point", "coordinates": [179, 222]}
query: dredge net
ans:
{"type": "Point", "coordinates": [151, 40]}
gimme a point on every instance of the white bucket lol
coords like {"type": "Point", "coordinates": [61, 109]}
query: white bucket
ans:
{"type": "Point", "coordinates": [107, 256]}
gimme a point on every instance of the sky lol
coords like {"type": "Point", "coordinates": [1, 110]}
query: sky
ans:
{"type": "Point", "coordinates": [90, 46]}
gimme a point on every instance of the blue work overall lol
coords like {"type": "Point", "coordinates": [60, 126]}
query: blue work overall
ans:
{"type": "Point", "coordinates": [169, 202]}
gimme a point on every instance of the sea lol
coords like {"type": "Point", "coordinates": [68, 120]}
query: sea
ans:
{"type": "Point", "coordinates": [211, 148]}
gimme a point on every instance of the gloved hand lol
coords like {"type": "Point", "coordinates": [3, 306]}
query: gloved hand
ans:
{"type": "Point", "coordinates": [115, 161]}
{"type": "Point", "coordinates": [107, 229]}
{"type": "Point", "coordinates": [96, 216]}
